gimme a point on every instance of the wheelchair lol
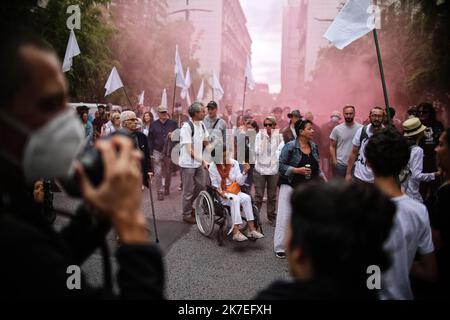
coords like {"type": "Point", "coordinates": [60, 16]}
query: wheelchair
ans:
{"type": "Point", "coordinates": [209, 212]}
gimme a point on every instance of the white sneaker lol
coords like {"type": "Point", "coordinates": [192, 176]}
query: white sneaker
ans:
{"type": "Point", "coordinates": [239, 237]}
{"type": "Point", "coordinates": [255, 235]}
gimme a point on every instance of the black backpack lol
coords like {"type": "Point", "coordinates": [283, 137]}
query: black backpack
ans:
{"type": "Point", "coordinates": [192, 127]}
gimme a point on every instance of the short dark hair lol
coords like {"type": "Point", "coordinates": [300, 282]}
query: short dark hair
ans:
{"type": "Point", "coordinates": [376, 108]}
{"type": "Point", "coordinates": [392, 112]}
{"type": "Point", "coordinates": [15, 73]}
{"type": "Point", "coordinates": [349, 106]}
{"type": "Point", "coordinates": [427, 106]}
{"type": "Point", "coordinates": [447, 137]}
{"type": "Point", "coordinates": [342, 227]}
{"type": "Point", "coordinates": [300, 125]}
{"type": "Point", "coordinates": [254, 124]}
{"type": "Point", "coordinates": [387, 152]}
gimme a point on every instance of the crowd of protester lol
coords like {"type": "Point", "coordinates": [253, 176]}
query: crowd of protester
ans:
{"type": "Point", "coordinates": [386, 205]}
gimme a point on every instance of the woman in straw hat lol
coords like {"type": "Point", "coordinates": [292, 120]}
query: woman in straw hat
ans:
{"type": "Point", "coordinates": [413, 130]}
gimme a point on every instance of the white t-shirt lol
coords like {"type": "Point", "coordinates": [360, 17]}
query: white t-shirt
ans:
{"type": "Point", "coordinates": [362, 171]}
{"type": "Point", "coordinates": [416, 176]}
{"type": "Point", "coordinates": [410, 234]}
{"type": "Point", "coordinates": [200, 135]}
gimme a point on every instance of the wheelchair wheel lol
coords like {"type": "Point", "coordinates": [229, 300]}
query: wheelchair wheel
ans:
{"type": "Point", "coordinates": [204, 213]}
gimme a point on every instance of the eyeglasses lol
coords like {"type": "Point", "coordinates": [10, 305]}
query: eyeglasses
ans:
{"type": "Point", "coordinates": [268, 125]}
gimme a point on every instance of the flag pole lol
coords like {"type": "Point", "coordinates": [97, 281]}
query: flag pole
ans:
{"type": "Point", "coordinates": [128, 98]}
{"type": "Point", "coordinates": [245, 91]}
{"type": "Point", "coordinates": [383, 81]}
{"type": "Point", "coordinates": [194, 96]}
{"type": "Point", "coordinates": [174, 95]}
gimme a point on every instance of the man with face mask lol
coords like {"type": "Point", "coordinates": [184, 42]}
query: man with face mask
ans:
{"type": "Point", "coordinates": [41, 136]}
{"type": "Point", "coordinates": [357, 157]}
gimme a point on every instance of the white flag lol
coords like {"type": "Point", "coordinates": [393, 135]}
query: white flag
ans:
{"type": "Point", "coordinates": [249, 74]}
{"type": "Point", "coordinates": [141, 98]}
{"type": "Point", "coordinates": [72, 51]}
{"type": "Point", "coordinates": [113, 82]}
{"type": "Point", "coordinates": [164, 99]}
{"type": "Point", "coordinates": [355, 20]}
{"type": "Point", "coordinates": [187, 84]}
{"type": "Point", "coordinates": [178, 70]}
{"type": "Point", "coordinates": [218, 90]}
{"type": "Point", "coordinates": [201, 92]}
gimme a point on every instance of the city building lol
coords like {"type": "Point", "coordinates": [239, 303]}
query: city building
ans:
{"type": "Point", "coordinates": [293, 51]}
{"type": "Point", "coordinates": [304, 24]}
{"type": "Point", "coordinates": [222, 41]}
{"type": "Point", "coordinates": [320, 15]}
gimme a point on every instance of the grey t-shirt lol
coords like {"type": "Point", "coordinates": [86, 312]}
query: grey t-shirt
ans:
{"type": "Point", "coordinates": [219, 130]}
{"type": "Point", "coordinates": [343, 135]}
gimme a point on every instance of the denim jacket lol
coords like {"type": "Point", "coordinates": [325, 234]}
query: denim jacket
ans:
{"type": "Point", "coordinates": [291, 156]}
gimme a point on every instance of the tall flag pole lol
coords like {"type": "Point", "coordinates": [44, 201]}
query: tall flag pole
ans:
{"type": "Point", "coordinates": [355, 20]}
{"type": "Point", "coordinates": [201, 91]}
{"type": "Point", "coordinates": [187, 84]}
{"type": "Point", "coordinates": [179, 77]}
{"type": "Point", "coordinates": [141, 98]}
{"type": "Point", "coordinates": [249, 81]}
{"type": "Point", "coordinates": [217, 88]}
{"type": "Point", "coordinates": [114, 83]}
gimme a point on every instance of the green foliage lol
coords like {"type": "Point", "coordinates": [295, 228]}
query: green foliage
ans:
{"type": "Point", "coordinates": [86, 78]}
{"type": "Point", "coordinates": [414, 42]}
{"type": "Point", "coordinates": [142, 48]}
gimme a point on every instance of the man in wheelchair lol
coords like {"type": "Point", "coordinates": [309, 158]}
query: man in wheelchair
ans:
{"type": "Point", "coordinates": [226, 180]}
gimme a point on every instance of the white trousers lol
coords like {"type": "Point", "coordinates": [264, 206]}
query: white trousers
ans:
{"type": "Point", "coordinates": [235, 201]}
{"type": "Point", "coordinates": [283, 217]}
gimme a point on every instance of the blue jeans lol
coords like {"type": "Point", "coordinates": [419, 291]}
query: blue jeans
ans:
{"type": "Point", "coordinates": [339, 171]}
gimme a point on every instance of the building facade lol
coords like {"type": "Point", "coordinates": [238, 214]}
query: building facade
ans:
{"type": "Point", "coordinates": [222, 41]}
{"type": "Point", "coordinates": [320, 15]}
{"type": "Point", "coordinates": [293, 51]}
{"type": "Point", "coordinates": [304, 24]}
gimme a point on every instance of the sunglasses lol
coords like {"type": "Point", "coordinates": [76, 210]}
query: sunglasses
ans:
{"type": "Point", "coordinates": [268, 125]}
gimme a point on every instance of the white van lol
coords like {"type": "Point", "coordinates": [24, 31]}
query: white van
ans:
{"type": "Point", "coordinates": [93, 107]}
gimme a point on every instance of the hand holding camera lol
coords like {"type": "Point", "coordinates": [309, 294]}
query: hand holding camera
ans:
{"type": "Point", "coordinates": [118, 197]}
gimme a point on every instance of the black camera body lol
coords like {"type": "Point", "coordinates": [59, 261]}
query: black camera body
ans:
{"type": "Point", "coordinates": [47, 207]}
{"type": "Point", "coordinates": [92, 162]}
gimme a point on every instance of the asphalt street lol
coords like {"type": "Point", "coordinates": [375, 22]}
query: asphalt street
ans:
{"type": "Point", "coordinates": [197, 267]}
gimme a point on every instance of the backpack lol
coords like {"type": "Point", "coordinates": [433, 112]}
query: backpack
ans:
{"type": "Point", "coordinates": [192, 127]}
{"type": "Point", "coordinates": [364, 135]}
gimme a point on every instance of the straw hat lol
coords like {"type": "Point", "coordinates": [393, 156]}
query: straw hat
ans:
{"type": "Point", "coordinates": [412, 127]}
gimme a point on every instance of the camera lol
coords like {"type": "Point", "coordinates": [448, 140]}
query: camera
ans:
{"type": "Point", "coordinates": [92, 162]}
{"type": "Point", "coordinates": [47, 208]}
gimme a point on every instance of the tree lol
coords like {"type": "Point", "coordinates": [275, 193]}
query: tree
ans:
{"type": "Point", "coordinates": [146, 49]}
{"type": "Point", "coordinates": [414, 41]}
{"type": "Point", "coordinates": [95, 61]}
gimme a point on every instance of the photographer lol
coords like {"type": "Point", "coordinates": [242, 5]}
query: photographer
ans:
{"type": "Point", "coordinates": [40, 138]}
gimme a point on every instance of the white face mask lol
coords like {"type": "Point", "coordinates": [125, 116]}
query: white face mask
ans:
{"type": "Point", "coordinates": [179, 110]}
{"type": "Point", "coordinates": [335, 119]}
{"type": "Point", "coordinates": [50, 150]}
